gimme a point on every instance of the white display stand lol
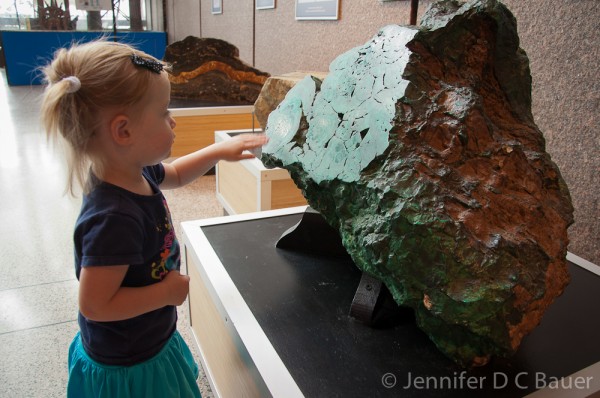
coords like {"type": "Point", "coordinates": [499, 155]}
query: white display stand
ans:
{"type": "Point", "coordinates": [268, 325]}
{"type": "Point", "coordinates": [248, 186]}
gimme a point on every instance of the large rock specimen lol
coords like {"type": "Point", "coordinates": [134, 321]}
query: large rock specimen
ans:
{"type": "Point", "coordinates": [420, 148]}
{"type": "Point", "coordinates": [210, 70]}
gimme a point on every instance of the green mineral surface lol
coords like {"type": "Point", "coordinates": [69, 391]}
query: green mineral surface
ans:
{"type": "Point", "coordinates": [420, 148]}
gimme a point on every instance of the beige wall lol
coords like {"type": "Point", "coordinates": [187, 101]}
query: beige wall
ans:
{"type": "Point", "coordinates": [183, 19]}
{"type": "Point", "coordinates": [285, 45]}
{"type": "Point", "coordinates": [561, 38]}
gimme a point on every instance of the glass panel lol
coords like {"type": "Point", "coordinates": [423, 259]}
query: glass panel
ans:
{"type": "Point", "coordinates": [25, 15]}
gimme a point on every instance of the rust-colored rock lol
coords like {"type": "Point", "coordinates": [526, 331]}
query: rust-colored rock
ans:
{"type": "Point", "coordinates": [274, 91]}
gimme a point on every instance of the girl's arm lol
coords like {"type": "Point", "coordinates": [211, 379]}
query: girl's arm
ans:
{"type": "Point", "coordinates": [102, 299]}
{"type": "Point", "coordinates": [187, 168]}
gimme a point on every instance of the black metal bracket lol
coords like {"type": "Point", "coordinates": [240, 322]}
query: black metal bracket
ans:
{"type": "Point", "coordinates": [373, 304]}
{"type": "Point", "coordinates": [313, 235]}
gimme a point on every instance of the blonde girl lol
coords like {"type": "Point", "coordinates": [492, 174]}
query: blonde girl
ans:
{"type": "Point", "coordinates": [109, 103]}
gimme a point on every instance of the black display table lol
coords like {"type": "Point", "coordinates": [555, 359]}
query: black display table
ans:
{"type": "Point", "coordinates": [285, 316]}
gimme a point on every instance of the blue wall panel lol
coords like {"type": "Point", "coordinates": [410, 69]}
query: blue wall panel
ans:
{"type": "Point", "coordinates": [27, 51]}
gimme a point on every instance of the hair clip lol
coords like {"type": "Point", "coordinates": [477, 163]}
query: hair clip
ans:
{"type": "Point", "coordinates": [74, 84]}
{"type": "Point", "coordinates": [150, 64]}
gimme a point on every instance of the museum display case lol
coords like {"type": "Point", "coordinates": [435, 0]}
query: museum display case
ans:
{"type": "Point", "coordinates": [275, 322]}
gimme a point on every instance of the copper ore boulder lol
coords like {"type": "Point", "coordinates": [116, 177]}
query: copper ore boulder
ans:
{"type": "Point", "coordinates": [420, 148]}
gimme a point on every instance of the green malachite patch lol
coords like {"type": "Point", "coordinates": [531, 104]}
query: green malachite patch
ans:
{"type": "Point", "coordinates": [349, 115]}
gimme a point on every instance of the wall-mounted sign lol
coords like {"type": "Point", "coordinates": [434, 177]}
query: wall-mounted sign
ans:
{"type": "Point", "coordinates": [93, 5]}
{"type": "Point", "coordinates": [317, 9]}
{"type": "Point", "coordinates": [216, 7]}
{"type": "Point", "coordinates": [265, 4]}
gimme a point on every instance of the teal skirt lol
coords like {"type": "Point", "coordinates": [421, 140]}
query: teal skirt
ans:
{"type": "Point", "coordinates": [170, 373]}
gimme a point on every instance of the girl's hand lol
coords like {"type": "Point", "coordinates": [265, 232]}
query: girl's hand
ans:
{"type": "Point", "coordinates": [187, 168]}
{"type": "Point", "coordinates": [103, 299]}
{"type": "Point", "coordinates": [234, 148]}
{"type": "Point", "coordinates": [177, 286]}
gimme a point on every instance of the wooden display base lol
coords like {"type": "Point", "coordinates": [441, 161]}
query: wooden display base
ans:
{"type": "Point", "coordinates": [248, 186]}
{"type": "Point", "coordinates": [196, 126]}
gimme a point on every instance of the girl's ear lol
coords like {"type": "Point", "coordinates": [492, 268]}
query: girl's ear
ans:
{"type": "Point", "coordinates": [120, 130]}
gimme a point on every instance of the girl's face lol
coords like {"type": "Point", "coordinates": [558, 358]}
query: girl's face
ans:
{"type": "Point", "coordinates": [154, 125]}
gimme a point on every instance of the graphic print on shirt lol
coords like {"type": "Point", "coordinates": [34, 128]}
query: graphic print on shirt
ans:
{"type": "Point", "coordinates": [169, 252]}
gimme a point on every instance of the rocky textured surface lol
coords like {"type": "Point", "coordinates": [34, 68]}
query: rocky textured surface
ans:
{"type": "Point", "coordinates": [210, 70]}
{"type": "Point", "coordinates": [421, 149]}
{"type": "Point", "coordinates": [274, 91]}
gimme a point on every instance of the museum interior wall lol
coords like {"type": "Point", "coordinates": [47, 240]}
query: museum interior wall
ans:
{"type": "Point", "coordinates": [562, 41]}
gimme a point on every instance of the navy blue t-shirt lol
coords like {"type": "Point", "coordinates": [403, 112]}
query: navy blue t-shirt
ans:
{"type": "Point", "coordinates": [119, 227]}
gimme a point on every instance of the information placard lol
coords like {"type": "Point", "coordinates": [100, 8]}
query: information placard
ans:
{"type": "Point", "coordinates": [265, 4]}
{"type": "Point", "coordinates": [317, 9]}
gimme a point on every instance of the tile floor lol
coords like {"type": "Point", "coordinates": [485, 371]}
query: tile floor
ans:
{"type": "Point", "coordinates": [38, 289]}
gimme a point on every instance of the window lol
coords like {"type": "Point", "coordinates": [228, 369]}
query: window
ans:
{"type": "Point", "coordinates": [130, 15]}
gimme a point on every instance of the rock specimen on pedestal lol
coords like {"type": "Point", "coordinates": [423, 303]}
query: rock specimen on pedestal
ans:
{"type": "Point", "coordinates": [210, 70]}
{"type": "Point", "coordinates": [420, 148]}
{"type": "Point", "coordinates": [274, 91]}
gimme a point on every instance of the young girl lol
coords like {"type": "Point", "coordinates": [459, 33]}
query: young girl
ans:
{"type": "Point", "coordinates": [110, 104]}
